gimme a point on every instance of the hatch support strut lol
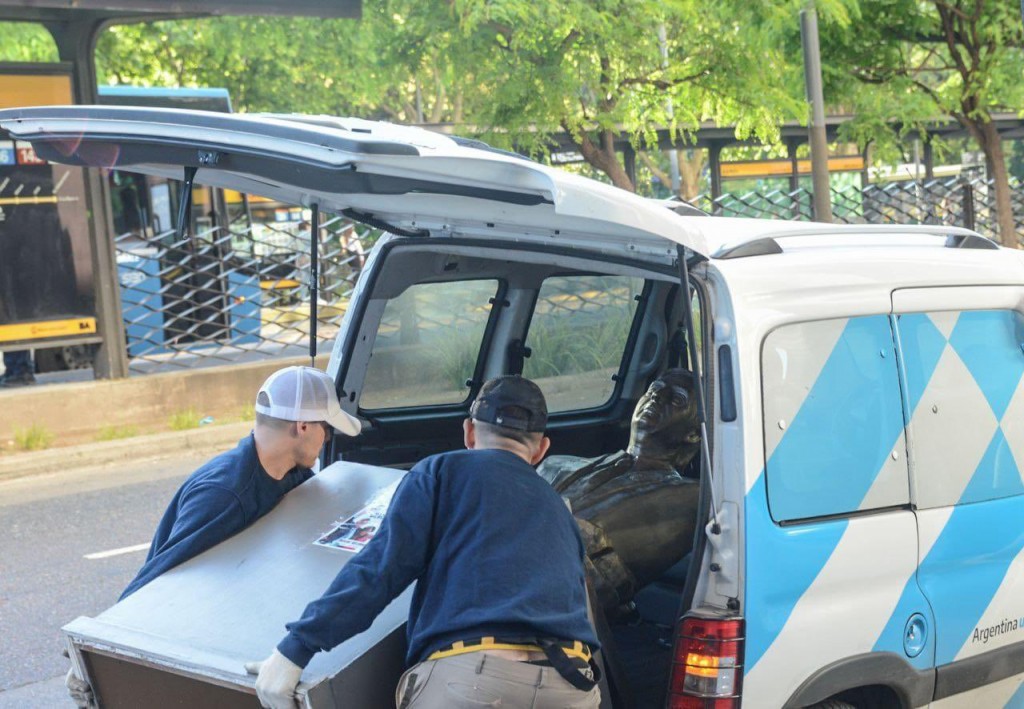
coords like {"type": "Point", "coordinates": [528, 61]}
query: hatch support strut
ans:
{"type": "Point", "coordinates": [185, 205]}
{"type": "Point", "coordinates": [314, 277]}
{"type": "Point", "coordinates": [691, 341]}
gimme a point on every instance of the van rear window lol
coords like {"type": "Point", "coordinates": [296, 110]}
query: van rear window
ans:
{"type": "Point", "coordinates": [577, 337]}
{"type": "Point", "coordinates": [428, 344]}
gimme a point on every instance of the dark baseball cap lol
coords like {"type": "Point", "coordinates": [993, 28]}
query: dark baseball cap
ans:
{"type": "Point", "coordinates": [511, 401]}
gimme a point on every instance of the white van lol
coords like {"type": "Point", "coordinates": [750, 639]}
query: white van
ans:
{"type": "Point", "coordinates": [861, 527]}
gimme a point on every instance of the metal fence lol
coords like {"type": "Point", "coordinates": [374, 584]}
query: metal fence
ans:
{"type": "Point", "coordinates": [235, 295]}
{"type": "Point", "coordinates": [958, 201]}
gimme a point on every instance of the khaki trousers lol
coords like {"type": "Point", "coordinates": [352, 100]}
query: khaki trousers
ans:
{"type": "Point", "coordinates": [478, 679]}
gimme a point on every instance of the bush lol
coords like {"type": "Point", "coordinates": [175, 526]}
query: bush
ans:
{"type": "Point", "coordinates": [113, 433]}
{"type": "Point", "coordinates": [184, 420]}
{"type": "Point", "coordinates": [33, 438]}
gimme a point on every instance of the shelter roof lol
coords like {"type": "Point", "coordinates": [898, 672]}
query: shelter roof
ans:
{"type": "Point", "coordinates": [134, 10]}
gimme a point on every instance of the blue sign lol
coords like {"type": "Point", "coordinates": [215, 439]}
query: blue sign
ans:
{"type": "Point", "coordinates": [7, 152]}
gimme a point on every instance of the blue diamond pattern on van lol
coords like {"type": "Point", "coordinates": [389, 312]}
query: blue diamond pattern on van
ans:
{"type": "Point", "coordinates": [1012, 426]}
{"type": "Point", "coordinates": [848, 447]}
{"type": "Point", "coordinates": [965, 569]}
{"type": "Point", "coordinates": [1017, 700]}
{"type": "Point", "coordinates": [838, 445]}
{"type": "Point", "coordinates": [971, 394]}
{"type": "Point", "coordinates": [919, 333]}
{"type": "Point", "coordinates": [956, 389]}
{"type": "Point", "coordinates": [997, 474]}
{"type": "Point", "coordinates": [950, 407]}
{"type": "Point", "coordinates": [988, 343]}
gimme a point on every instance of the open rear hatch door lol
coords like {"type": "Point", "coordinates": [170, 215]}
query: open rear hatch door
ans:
{"type": "Point", "coordinates": [407, 178]}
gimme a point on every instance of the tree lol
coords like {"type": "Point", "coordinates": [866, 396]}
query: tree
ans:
{"type": "Point", "coordinates": [392, 64]}
{"type": "Point", "coordinates": [26, 42]}
{"type": "Point", "coordinates": [918, 60]}
{"type": "Point", "coordinates": [594, 69]}
{"type": "Point", "coordinates": [512, 71]}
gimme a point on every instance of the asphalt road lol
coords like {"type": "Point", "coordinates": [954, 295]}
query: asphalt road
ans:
{"type": "Point", "coordinates": [49, 524]}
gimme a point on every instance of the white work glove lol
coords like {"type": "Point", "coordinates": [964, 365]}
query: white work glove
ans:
{"type": "Point", "coordinates": [79, 689]}
{"type": "Point", "coordinates": [276, 680]}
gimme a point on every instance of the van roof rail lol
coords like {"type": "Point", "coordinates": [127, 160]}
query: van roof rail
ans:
{"type": "Point", "coordinates": [762, 244]}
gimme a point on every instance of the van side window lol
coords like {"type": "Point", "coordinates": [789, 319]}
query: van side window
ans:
{"type": "Point", "coordinates": [966, 401]}
{"type": "Point", "coordinates": [427, 345]}
{"type": "Point", "coordinates": [577, 336]}
{"type": "Point", "coordinates": [833, 419]}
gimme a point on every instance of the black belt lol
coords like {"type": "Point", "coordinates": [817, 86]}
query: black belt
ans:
{"type": "Point", "coordinates": [568, 658]}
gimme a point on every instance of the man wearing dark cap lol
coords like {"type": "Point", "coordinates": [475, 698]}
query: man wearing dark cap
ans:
{"type": "Point", "coordinates": [499, 613]}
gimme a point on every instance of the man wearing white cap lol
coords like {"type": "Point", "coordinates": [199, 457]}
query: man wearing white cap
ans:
{"type": "Point", "coordinates": [295, 410]}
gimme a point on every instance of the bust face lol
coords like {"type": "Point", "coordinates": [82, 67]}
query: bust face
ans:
{"type": "Point", "coordinates": [666, 415]}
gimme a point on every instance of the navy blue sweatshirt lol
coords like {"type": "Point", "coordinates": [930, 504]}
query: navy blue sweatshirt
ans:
{"type": "Point", "coordinates": [495, 552]}
{"type": "Point", "coordinates": [218, 500]}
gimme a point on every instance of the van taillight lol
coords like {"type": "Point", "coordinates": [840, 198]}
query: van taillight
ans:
{"type": "Point", "coordinates": [707, 664]}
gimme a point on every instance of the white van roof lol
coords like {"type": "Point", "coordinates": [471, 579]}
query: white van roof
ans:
{"type": "Point", "coordinates": [409, 179]}
{"type": "Point", "coordinates": [406, 177]}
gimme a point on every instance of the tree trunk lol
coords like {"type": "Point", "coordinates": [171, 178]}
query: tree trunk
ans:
{"type": "Point", "coordinates": [658, 173]}
{"type": "Point", "coordinates": [457, 108]}
{"type": "Point", "coordinates": [604, 158]}
{"type": "Point", "coordinates": [691, 162]}
{"type": "Point", "coordinates": [990, 142]}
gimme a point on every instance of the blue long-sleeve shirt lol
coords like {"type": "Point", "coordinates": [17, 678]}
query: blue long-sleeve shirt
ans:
{"type": "Point", "coordinates": [218, 500]}
{"type": "Point", "coordinates": [495, 552]}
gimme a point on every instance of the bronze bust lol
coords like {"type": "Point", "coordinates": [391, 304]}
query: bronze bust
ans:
{"type": "Point", "coordinates": [635, 510]}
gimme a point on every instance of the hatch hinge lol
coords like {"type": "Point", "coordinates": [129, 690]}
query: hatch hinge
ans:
{"type": "Point", "coordinates": [208, 158]}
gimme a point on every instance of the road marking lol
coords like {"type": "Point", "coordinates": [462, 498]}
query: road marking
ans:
{"type": "Point", "coordinates": [44, 199]}
{"type": "Point", "coordinates": [116, 552]}
{"type": "Point", "coordinates": [60, 182]}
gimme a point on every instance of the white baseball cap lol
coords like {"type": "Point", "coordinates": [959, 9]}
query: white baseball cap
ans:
{"type": "Point", "coordinates": [304, 394]}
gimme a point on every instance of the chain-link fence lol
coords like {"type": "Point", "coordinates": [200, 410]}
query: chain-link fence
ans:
{"type": "Point", "coordinates": [227, 295]}
{"type": "Point", "coordinates": [958, 201]}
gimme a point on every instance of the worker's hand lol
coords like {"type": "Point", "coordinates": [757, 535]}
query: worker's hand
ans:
{"type": "Point", "coordinates": [79, 689]}
{"type": "Point", "coordinates": [276, 680]}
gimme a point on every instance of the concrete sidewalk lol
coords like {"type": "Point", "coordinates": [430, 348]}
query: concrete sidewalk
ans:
{"type": "Point", "coordinates": [77, 412]}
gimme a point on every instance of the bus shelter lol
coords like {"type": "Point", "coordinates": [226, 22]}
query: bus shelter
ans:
{"type": "Point", "coordinates": [63, 217]}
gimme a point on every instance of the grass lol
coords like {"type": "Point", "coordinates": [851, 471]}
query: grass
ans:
{"type": "Point", "coordinates": [184, 420]}
{"type": "Point", "coordinates": [33, 438]}
{"type": "Point", "coordinates": [114, 433]}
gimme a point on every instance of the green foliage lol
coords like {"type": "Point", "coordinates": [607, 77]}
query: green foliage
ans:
{"type": "Point", "coordinates": [114, 433]}
{"type": "Point", "coordinates": [451, 358]}
{"type": "Point", "coordinates": [916, 61]}
{"type": "Point", "coordinates": [26, 42]}
{"type": "Point", "coordinates": [596, 69]}
{"type": "Point", "coordinates": [902, 63]}
{"type": "Point", "coordinates": [517, 71]}
{"type": "Point", "coordinates": [183, 420]}
{"type": "Point", "coordinates": [560, 348]}
{"type": "Point", "coordinates": [35, 437]}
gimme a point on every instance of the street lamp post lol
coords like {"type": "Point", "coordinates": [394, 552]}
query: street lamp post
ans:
{"type": "Point", "coordinates": [816, 123]}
